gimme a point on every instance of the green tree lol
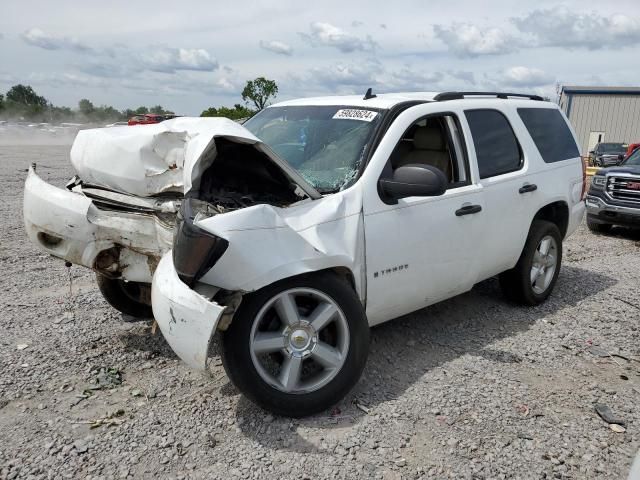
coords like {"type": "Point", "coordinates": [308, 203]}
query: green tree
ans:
{"type": "Point", "coordinates": [141, 110]}
{"type": "Point", "coordinates": [1, 102]}
{"type": "Point", "coordinates": [157, 109]}
{"type": "Point", "coordinates": [238, 112]}
{"type": "Point", "coordinates": [210, 112]}
{"type": "Point", "coordinates": [86, 107]}
{"type": "Point", "coordinates": [61, 114]}
{"type": "Point", "coordinates": [259, 91]}
{"type": "Point", "coordinates": [26, 96]}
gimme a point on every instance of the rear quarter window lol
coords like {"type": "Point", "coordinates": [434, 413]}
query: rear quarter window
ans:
{"type": "Point", "coordinates": [550, 133]}
{"type": "Point", "coordinates": [497, 148]}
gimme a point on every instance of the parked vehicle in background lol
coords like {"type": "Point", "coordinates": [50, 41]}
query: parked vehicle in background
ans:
{"type": "Point", "coordinates": [632, 148]}
{"type": "Point", "coordinates": [294, 233]}
{"type": "Point", "coordinates": [607, 154]}
{"type": "Point", "coordinates": [147, 119]}
{"type": "Point", "coordinates": [614, 196]}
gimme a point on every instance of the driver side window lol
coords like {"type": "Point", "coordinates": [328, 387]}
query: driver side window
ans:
{"type": "Point", "coordinates": [436, 141]}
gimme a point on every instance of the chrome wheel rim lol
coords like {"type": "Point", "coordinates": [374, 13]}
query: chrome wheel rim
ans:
{"type": "Point", "coordinates": [299, 340]}
{"type": "Point", "coordinates": [545, 262]}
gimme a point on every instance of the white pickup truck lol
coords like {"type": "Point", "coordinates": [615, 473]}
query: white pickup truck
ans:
{"type": "Point", "coordinates": [318, 218]}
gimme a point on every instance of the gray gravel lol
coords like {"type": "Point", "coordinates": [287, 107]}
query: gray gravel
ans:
{"type": "Point", "coordinates": [469, 388]}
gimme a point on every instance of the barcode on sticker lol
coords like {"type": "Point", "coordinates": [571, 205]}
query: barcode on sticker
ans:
{"type": "Point", "coordinates": [355, 114]}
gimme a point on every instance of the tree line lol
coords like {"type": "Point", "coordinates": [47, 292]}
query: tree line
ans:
{"type": "Point", "coordinates": [21, 102]}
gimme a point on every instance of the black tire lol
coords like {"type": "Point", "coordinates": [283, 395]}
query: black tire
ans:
{"type": "Point", "coordinates": [124, 296]}
{"type": "Point", "coordinates": [236, 349]}
{"type": "Point", "coordinates": [516, 283]}
{"type": "Point", "coordinates": [598, 227]}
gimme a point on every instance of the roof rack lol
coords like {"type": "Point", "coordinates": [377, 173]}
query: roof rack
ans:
{"type": "Point", "coordinates": [504, 95]}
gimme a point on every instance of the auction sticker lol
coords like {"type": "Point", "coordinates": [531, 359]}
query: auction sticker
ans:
{"type": "Point", "coordinates": [355, 114]}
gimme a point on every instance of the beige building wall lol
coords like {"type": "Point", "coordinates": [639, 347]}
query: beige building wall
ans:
{"type": "Point", "coordinates": [617, 115]}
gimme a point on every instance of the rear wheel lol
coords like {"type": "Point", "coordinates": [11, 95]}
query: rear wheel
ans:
{"type": "Point", "coordinates": [298, 346]}
{"type": "Point", "coordinates": [126, 297]}
{"type": "Point", "coordinates": [531, 281]}
{"type": "Point", "coordinates": [598, 227]}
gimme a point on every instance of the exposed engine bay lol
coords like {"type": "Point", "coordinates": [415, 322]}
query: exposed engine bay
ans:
{"type": "Point", "coordinates": [239, 178]}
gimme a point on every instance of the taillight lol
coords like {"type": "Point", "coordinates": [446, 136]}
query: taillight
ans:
{"type": "Point", "coordinates": [195, 250]}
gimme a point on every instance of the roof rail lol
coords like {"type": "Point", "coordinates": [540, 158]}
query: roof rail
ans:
{"type": "Point", "coordinates": [504, 95]}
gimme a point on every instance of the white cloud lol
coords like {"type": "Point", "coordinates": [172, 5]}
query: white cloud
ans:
{"type": "Point", "coordinates": [526, 77]}
{"type": "Point", "coordinates": [170, 60]}
{"type": "Point", "coordinates": [327, 35]}
{"type": "Point", "coordinates": [226, 84]}
{"type": "Point", "coordinates": [562, 27]}
{"type": "Point", "coordinates": [68, 80]}
{"type": "Point", "coordinates": [37, 38]}
{"type": "Point", "coordinates": [407, 78]}
{"type": "Point", "coordinates": [464, 75]}
{"type": "Point", "coordinates": [276, 47]}
{"type": "Point", "coordinates": [468, 40]}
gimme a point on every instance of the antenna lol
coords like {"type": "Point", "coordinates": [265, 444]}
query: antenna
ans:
{"type": "Point", "coordinates": [369, 94]}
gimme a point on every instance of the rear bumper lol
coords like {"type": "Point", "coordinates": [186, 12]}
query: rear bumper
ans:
{"type": "Point", "coordinates": [68, 225]}
{"type": "Point", "coordinates": [186, 318]}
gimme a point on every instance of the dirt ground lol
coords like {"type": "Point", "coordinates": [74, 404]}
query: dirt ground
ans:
{"type": "Point", "coordinates": [470, 388]}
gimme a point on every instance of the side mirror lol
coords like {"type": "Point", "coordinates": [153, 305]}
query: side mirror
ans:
{"type": "Point", "coordinates": [620, 158]}
{"type": "Point", "coordinates": [591, 152]}
{"type": "Point", "coordinates": [413, 180]}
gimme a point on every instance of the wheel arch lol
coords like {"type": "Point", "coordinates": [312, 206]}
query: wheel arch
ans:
{"type": "Point", "coordinates": [557, 213]}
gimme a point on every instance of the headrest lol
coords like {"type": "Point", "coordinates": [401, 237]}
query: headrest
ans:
{"type": "Point", "coordinates": [428, 138]}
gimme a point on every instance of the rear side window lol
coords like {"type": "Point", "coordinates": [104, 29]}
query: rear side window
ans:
{"type": "Point", "coordinates": [497, 148]}
{"type": "Point", "coordinates": [550, 133]}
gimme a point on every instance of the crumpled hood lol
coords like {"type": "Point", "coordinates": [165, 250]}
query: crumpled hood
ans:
{"type": "Point", "coordinates": [170, 156]}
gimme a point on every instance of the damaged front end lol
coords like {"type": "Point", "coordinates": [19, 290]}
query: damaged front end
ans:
{"type": "Point", "coordinates": [112, 233]}
{"type": "Point", "coordinates": [203, 211]}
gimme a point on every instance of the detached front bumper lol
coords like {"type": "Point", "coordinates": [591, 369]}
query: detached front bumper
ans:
{"type": "Point", "coordinates": [68, 225]}
{"type": "Point", "coordinates": [186, 317]}
{"type": "Point", "coordinates": [600, 211]}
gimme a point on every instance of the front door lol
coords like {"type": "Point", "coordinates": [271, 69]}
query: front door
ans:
{"type": "Point", "coordinates": [423, 249]}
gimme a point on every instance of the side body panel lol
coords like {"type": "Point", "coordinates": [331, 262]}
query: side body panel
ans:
{"type": "Point", "coordinates": [418, 251]}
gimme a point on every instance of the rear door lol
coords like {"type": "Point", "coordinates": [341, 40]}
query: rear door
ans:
{"type": "Point", "coordinates": [510, 198]}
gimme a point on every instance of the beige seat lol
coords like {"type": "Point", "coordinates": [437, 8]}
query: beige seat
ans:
{"type": "Point", "coordinates": [428, 149]}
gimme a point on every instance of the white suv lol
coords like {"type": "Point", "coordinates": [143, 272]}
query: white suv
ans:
{"type": "Point", "coordinates": [318, 218]}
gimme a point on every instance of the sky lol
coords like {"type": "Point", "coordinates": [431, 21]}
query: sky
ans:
{"type": "Point", "coordinates": [190, 55]}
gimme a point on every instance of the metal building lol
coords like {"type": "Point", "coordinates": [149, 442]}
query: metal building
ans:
{"type": "Point", "coordinates": [602, 114]}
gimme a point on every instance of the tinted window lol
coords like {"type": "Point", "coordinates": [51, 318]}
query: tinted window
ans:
{"type": "Point", "coordinates": [497, 148]}
{"type": "Point", "coordinates": [550, 133]}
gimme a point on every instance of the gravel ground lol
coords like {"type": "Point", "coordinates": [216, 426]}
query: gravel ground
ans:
{"type": "Point", "coordinates": [469, 388]}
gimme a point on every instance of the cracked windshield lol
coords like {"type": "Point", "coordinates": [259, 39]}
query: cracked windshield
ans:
{"type": "Point", "coordinates": [325, 144]}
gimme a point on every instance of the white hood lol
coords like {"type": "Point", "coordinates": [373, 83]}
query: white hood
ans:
{"type": "Point", "coordinates": [170, 156]}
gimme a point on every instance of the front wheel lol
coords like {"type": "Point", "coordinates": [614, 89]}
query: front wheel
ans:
{"type": "Point", "coordinates": [298, 346]}
{"type": "Point", "coordinates": [130, 298]}
{"type": "Point", "coordinates": [531, 281]}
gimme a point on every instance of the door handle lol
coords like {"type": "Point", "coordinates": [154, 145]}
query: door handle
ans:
{"type": "Point", "coordinates": [529, 187]}
{"type": "Point", "coordinates": [468, 210]}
